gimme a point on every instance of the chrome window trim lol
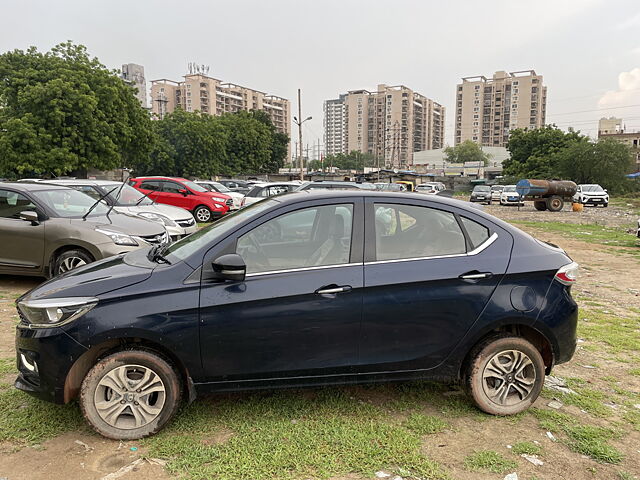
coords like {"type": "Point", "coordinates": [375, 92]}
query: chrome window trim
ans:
{"type": "Point", "coordinates": [473, 252]}
{"type": "Point", "coordinates": [303, 269]}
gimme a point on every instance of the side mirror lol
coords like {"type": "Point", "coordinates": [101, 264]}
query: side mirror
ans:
{"type": "Point", "coordinates": [229, 267]}
{"type": "Point", "coordinates": [183, 192]}
{"type": "Point", "coordinates": [30, 216]}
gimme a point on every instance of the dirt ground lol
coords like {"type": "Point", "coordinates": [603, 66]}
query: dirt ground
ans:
{"type": "Point", "coordinates": [607, 278]}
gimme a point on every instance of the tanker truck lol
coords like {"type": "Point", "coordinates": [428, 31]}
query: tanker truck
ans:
{"type": "Point", "coordinates": [547, 194]}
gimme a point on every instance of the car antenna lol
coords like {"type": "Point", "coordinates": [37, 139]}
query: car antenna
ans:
{"type": "Point", "coordinates": [84, 217]}
{"type": "Point", "coordinates": [116, 199]}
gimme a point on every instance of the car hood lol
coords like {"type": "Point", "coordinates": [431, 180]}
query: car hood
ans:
{"type": "Point", "coordinates": [121, 223]}
{"type": "Point", "coordinates": [594, 194]}
{"type": "Point", "coordinates": [169, 211]}
{"type": "Point", "coordinates": [216, 195]}
{"type": "Point", "coordinates": [96, 278]}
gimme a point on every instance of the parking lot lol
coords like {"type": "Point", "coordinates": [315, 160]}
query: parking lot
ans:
{"type": "Point", "coordinates": [409, 430]}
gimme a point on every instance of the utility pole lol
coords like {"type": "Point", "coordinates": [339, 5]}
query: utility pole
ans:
{"type": "Point", "coordinates": [298, 121]}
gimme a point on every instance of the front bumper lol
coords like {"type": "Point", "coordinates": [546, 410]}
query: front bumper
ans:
{"type": "Point", "coordinates": [510, 201]}
{"type": "Point", "coordinates": [478, 199]}
{"type": "Point", "coordinates": [44, 357]}
{"type": "Point", "coordinates": [595, 201]}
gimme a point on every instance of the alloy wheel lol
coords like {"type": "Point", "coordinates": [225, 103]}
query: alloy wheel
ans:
{"type": "Point", "coordinates": [203, 215]}
{"type": "Point", "coordinates": [70, 263]}
{"type": "Point", "coordinates": [509, 377]}
{"type": "Point", "coordinates": [129, 396]}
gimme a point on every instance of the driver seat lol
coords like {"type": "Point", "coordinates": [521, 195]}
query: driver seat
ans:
{"type": "Point", "coordinates": [331, 251]}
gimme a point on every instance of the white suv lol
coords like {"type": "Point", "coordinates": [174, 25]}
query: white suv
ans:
{"type": "Point", "coordinates": [591, 194]}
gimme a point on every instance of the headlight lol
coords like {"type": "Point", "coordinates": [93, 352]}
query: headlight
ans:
{"type": "Point", "coordinates": [56, 311]}
{"type": "Point", "coordinates": [218, 205]}
{"type": "Point", "coordinates": [156, 217]}
{"type": "Point", "coordinates": [119, 238]}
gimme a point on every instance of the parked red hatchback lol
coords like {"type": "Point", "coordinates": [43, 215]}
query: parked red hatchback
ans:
{"type": "Point", "coordinates": [183, 193]}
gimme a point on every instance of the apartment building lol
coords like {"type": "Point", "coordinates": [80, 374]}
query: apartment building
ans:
{"type": "Point", "coordinates": [487, 109]}
{"type": "Point", "coordinates": [390, 123]}
{"type": "Point", "coordinates": [610, 125]}
{"type": "Point", "coordinates": [134, 74]}
{"type": "Point", "coordinates": [198, 92]}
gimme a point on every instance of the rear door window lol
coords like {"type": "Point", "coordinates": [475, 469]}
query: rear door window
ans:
{"type": "Point", "coordinates": [478, 234]}
{"type": "Point", "coordinates": [150, 185]}
{"type": "Point", "coordinates": [409, 231]}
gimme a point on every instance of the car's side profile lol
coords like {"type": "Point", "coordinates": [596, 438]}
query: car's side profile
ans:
{"type": "Point", "coordinates": [303, 289]}
{"type": "Point", "coordinates": [180, 192]}
{"type": "Point", "coordinates": [260, 191]}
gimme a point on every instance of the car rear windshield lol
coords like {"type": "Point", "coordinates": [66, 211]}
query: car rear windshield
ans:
{"type": "Point", "coordinates": [70, 203]}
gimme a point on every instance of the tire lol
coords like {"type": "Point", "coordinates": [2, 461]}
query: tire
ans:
{"type": "Point", "coordinates": [605, 205]}
{"type": "Point", "coordinates": [70, 259]}
{"type": "Point", "coordinates": [540, 205]}
{"type": "Point", "coordinates": [555, 203]}
{"type": "Point", "coordinates": [138, 414]}
{"type": "Point", "coordinates": [490, 367]}
{"type": "Point", "coordinates": [202, 214]}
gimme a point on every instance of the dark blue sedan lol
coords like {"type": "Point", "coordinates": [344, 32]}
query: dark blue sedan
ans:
{"type": "Point", "coordinates": [304, 289]}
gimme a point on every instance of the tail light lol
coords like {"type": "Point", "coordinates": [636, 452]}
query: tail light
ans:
{"type": "Point", "coordinates": [568, 274]}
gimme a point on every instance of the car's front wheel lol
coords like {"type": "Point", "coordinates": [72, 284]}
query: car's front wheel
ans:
{"type": "Point", "coordinates": [505, 375]}
{"type": "Point", "coordinates": [130, 394]}
{"type": "Point", "coordinates": [202, 214]}
{"type": "Point", "coordinates": [69, 260]}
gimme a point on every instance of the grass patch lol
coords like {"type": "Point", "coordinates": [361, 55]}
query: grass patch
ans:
{"type": "Point", "coordinates": [489, 461]}
{"type": "Point", "coordinates": [635, 371]}
{"type": "Point", "coordinates": [424, 424]}
{"type": "Point", "coordinates": [584, 439]}
{"type": "Point", "coordinates": [626, 476]}
{"type": "Point", "coordinates": [287, 435]}
{"type": "Point", "coordinates": [529, 448]}
{"type": "Point", "coordinates": [27, 420]}
{"type": "Point", "coordinates": [619, 334]}
{"type": "Point", "coordinates": [589, 233]}
{"type": "Point", "coordinates": [586, 399]}
{"type": "Point", "coordinates": [7, 366]}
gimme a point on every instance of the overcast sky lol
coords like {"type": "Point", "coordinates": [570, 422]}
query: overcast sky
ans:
{"type": "Point", "coordinates": [587, 50]}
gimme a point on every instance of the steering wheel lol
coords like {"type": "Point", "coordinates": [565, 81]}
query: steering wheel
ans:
{"type": "Point", "coordinates": [260, 258]}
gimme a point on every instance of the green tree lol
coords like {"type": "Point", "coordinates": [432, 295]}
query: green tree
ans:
{"type": "Point", "coordinates": [605, 162]}
{"type": "Point", "coordinates": [531, 151]}
{"type": "Point", "coordinates": [249, 143]}
{"type": "Point", "coordinates": [279, 144]}
{"type": "Point", "coordinates": [62, 111]}
{"type": "Point", "coordinates": [354, 160]}
{"type": "Point", "coordinates": [467, 151]}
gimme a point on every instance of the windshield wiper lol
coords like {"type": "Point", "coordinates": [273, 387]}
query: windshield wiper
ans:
{"type": "Point", "coordinates": [155, 254]}
{"type": "Point", "coordinates": [116, 199]}
{"type": "Point", "coordinates": [145, 196]}
{"type": "Point", "coordinates": [102, 197]}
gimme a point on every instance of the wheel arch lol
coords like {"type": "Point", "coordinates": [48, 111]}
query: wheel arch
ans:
{"type": "Point", "coordinates": [88, 359]}
{"type": "Point", "coordinates": [60, 249]}
{"type": "Point", "coordinates": [538, 339]}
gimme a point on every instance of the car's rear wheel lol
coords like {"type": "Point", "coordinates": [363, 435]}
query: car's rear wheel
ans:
{"type": "Point", "coordinates": [130, 394]}
{"type": "Point", "coordinates": [70, 260]}
{"type": "Point", "coordinates": [505, 375]}
{"type": "Point", "coordinates": [202, 214]}
{"type": "Point", "coordinates": [540, 205]}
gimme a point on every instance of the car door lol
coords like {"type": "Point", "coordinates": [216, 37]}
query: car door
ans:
{"type": "Point", "coordinates": [22, 242]}
{"type": "Point", "coordinates": [171, 195]}
{"type": "Point", "coordinates": [429, 272]}
{"type": "Point", "coordinates": [298, 312]}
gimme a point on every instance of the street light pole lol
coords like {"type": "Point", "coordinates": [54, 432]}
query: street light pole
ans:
{"type": "Point", "coordinates": [298, 121]}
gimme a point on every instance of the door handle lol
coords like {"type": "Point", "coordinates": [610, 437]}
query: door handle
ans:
{"type": "Point", "coordinates": [475, 275]}
{"type": "Point", "coordinates": [331, 289]}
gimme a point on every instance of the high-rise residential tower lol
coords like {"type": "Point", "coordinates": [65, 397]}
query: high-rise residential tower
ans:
{"type": "Point", "coordinates": [487, 109]}
{"type": "Point", "coordinates": [211, 96]}
{"type": "Point", "coordinates": [390, 123]}
{"type": "Point", "coordinates": [134, 74]}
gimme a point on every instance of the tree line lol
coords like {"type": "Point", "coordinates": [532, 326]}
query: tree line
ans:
{"type": "Point", "coordinates": [550, 153]}
{"type": "Point", "coordinates": [62, 111]}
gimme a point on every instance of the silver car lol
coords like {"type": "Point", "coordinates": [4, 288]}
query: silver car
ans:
{"type": "Point", "coordinates": [126, 199]}
{"type": "Point", "coordinates": [46, 230]}
{"type": "Point", "coordinates": [212, 186]}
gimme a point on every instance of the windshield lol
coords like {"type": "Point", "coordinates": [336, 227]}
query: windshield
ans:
{"type": "Point", "coordinates": [592, 188]}
{"type": "Point", "coordinates": [69, 203]}
{"type": "Point", "coordinates": [127, 196]}
{"type": "Point", "coordinates": [481, 188]}
{"type": "Point", "coordinates": [184, 248]}
{"type": "Point", "coordinates": [497, 188]}
{"type": "Point", "coordinates": [194, 186]}
{"type": "Point", "coordinates": [218, 186]}
{"type": "Point", "coordinates": [509, 188]}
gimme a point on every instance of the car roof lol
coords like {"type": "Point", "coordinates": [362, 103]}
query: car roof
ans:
{"type": "Point", "coordinates": [33, 187]}
{"type": "Point", "coordinates": [80, 181]}
{"type": "Point", "coordinates": [160, 177]}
